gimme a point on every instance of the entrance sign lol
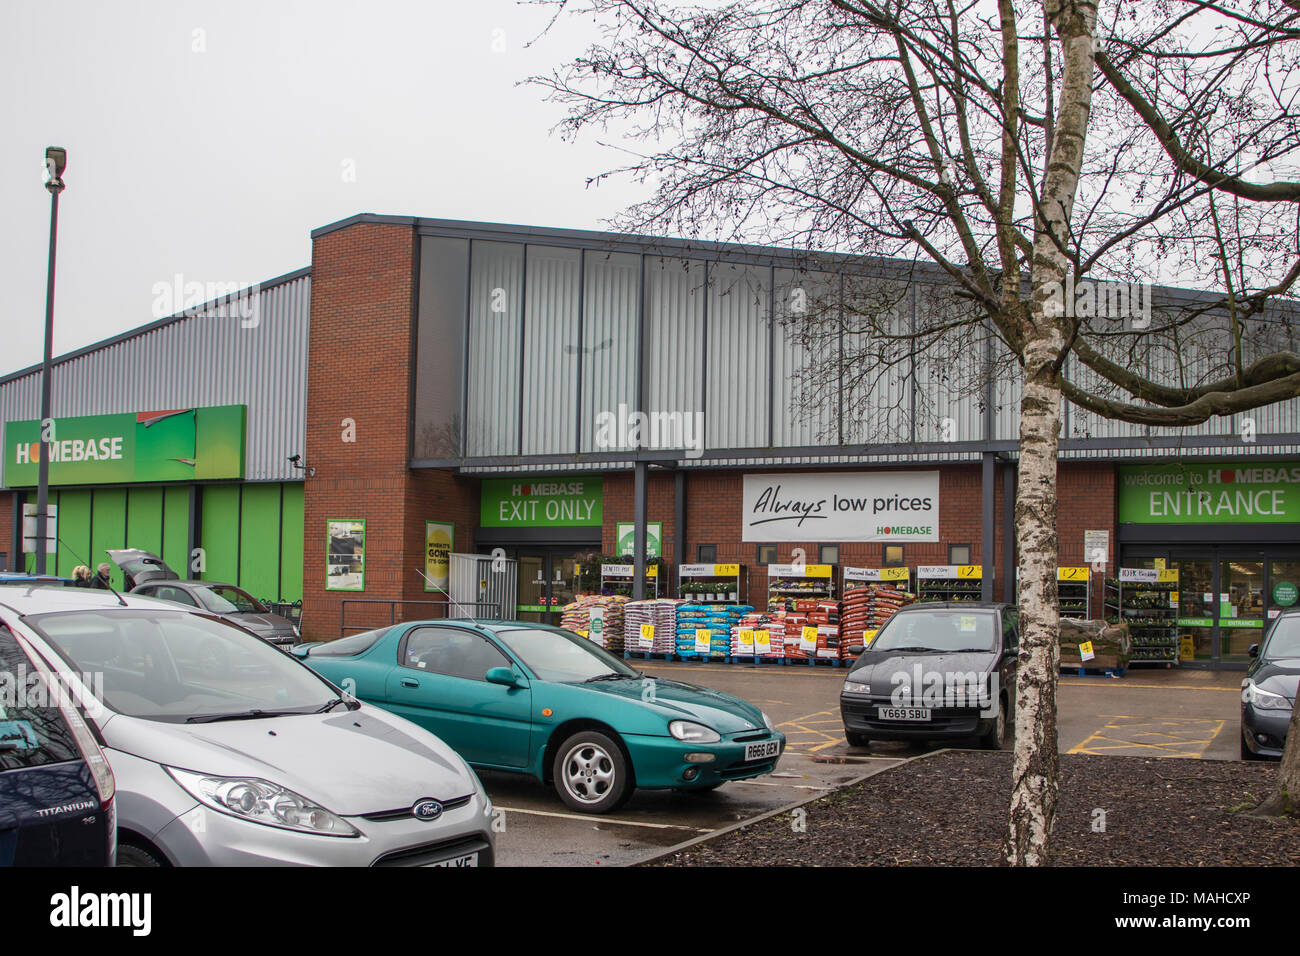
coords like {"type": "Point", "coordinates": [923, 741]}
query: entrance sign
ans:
{"type": "Point", "coordinates": [1239, 493]}
{"type": "Point", "coordinates": [841, 506]}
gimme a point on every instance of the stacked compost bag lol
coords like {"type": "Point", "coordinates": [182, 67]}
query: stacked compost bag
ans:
{"type": "Point", "coordinates": [662, 615]}
{"type": "Point", "coordinates": [1111, 644]}
{"type": "Point", "coordinates": [866, 608]}
{"type": "Point", "coordinates": [576, 617]}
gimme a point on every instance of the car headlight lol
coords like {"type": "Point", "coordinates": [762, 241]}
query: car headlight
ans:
{"type": "Point", "coordinates": [767, 721]}
{"type": "Point", "coordinates": [854, 687]}
{"type": "Point", "coordinates": [296, 631]}
{"type": "Point", "coordinates": [258, 800]}
{"type": "Point", "coordinates": [1262, 699]}
{"type": "Point", "coordinates": [693, 733]}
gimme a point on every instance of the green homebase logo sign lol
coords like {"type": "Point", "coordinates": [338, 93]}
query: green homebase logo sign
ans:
{"type": "Point", "coordinates": [1238, 493]}
{"type": "Point", "coordinates": [188, 444]}
{"type": "Point", "coordinates": [541, 502]}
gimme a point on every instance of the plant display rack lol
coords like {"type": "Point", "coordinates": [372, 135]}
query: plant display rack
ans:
{"type": "Point", "coordinates": [949, 582]}
{"type": "Point", "coordinates": [617, 579]}
{"type": "Point", "coordinates": [787, 583]}
{"type": "Point", "coordinates": [712, 583]}
{"type": "Point", "coordinates": [1146, 599]}
{"type": "Point", "coordinates": [1074, 586]}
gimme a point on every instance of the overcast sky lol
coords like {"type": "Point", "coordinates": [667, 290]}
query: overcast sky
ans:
{"type": "Point", "coordinates": [207, 139]}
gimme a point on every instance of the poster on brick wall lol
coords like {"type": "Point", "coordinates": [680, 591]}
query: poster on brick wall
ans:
{"type": "Point", "coordinates": [841, 506]}
{"type": "Point", "coordinates": [438, 541]}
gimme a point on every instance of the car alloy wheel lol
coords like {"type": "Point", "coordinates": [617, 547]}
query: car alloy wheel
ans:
{"type": "Point", "coordinates": [591, 773]}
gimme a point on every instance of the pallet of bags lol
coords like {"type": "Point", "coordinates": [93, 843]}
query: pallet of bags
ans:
{"type": "Point", "coordinates": [691, 618]}
{"type": "Point", "coordinates": [794, 625]}
{"type": "Point", "coordinates": [661, 614]}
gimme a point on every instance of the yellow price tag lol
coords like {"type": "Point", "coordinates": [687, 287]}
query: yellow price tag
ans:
{"type": "Point", "coordinates": [869, 636]}
{"type": "Point", "coordinates": [703, 640]}
{"type": "Point", "coordinates": [970, 571]}
{"type": "Point", "coordinates": [1085, 651]}
{"type": "Point", "coordinates": [809, 633]}
{"type": "Point", "coordinates": [647, 632]}
{"type": "Point", "coordinates": [893, 574]}
{"type": "Point", "coordinates": [817, 571]}
{"type": "Point", "coordinates": [1071, 574]}
{"type": "Point", "coordinates": [726, 570]}
{"type": "Point", "coordinates": [763, 640]}
{"type": "Point", "coordinates": [746, 637]}
{"type": "Point", "coordinates": [652, 571]}
{"type": "Point", "coordinates": [583, 634]}
{"type": "Point", "coordinates": [1168, 575]}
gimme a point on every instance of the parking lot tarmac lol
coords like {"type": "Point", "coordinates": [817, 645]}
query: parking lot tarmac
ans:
{"type": "Point", "coordinates": [1164, 713]}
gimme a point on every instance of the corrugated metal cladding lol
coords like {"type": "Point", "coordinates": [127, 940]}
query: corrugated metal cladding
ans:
{"type": "Point", "coordinates": [215, 357]}
{"type": "Point", "coordinates": [563, 337]}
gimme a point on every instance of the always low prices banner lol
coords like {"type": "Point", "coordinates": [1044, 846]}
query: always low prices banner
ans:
{"type": "Point", "coordinates": [184, 444]}
{"type": "Point", "coordinates": [842, 506]}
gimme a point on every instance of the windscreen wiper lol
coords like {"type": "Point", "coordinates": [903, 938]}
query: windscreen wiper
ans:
{"type": "Point", "coordinates": [612, 675]}
{"type": "Point", "coordinates": [242, 715]}
{"type": "Point", "coordinates": [325, 708]}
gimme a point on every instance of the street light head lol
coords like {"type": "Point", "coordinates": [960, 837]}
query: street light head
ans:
{"type": "Point", "coordinates": [56, 160]}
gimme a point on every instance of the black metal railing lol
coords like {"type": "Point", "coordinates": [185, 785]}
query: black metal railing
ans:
{"type": "Point", "coordinates": [374, 614]}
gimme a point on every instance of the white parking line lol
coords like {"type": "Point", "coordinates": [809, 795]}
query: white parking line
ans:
{"type": "Point", "coordinates": [590, 818]}
{"type": "Point", "coordinates": [796, 786]}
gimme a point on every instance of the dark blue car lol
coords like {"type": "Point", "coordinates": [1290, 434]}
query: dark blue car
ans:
{"type": "Point", "coordinates": [56, 787]}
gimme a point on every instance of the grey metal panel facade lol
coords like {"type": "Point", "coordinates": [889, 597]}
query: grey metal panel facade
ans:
{"type": "Point", "coordinates": [212, 357]}
{"type": "Point", "coordinates": [736, 356]}
{"type": "Point", "coordinates": [686, 327]}
{"type": "Point", "coordinates": [673, 349]}
{"type": "Point", "coordinates": [611, 297]}
{"type": "Point", "coordinates": [551, 323]}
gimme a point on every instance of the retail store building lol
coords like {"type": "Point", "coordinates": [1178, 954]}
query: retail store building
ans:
{"type": "Point", "coordinates": [453, 387]}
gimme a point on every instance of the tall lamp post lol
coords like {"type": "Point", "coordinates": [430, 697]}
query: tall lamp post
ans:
{"type": "Point", "coordinates": [56, 160]}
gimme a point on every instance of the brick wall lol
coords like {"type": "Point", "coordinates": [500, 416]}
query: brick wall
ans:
{"type": "Point", "coordinates": [359, 368]}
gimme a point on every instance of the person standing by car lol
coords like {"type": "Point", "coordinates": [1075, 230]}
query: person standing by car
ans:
{"type": "Point", "coordinates": [81, 576]}
{"type": "Point", "coordinates": [100, 580]}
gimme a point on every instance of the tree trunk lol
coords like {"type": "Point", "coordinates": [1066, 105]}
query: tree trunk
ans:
{"type": "Point", "coordinates": [1036, 765]}
{"type": "Point", "coordinates": [1286, 796]}
{"type": "Point", "coordinates": [1036, 762]}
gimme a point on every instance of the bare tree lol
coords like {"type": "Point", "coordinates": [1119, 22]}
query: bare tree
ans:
{"type": "Point", "coordinates": [1026, 150]}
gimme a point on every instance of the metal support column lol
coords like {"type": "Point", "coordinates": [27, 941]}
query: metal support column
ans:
{"type": "Point", "coordinates": [1009, 562]}
{"type": "Point", "coordinates": [679, 522]}
{"type": "Point", "coordinates": [986, 525]}
{"type": "Point", "coordinates": [638, 547]}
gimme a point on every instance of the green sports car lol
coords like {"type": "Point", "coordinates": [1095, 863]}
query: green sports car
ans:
{"type": "Point", "coordinates": [509, 695]}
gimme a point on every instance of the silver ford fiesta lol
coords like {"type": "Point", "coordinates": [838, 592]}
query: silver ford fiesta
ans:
{"type": "Point", "coordinates": [228, 752]}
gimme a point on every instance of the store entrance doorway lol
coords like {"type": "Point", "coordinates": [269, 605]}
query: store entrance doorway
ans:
{"type": "Point", "coordinates": [548, 580]}
{"type": "Point", "coordinates": [1227, 595]}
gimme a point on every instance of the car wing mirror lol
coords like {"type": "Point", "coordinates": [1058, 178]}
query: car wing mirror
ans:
{"type": "Point", "coordinates": [505, 676]}
{"type": "Point", "coordinates": [856, 649]}
{"type": "Point", "coordinates": [1253, 650]}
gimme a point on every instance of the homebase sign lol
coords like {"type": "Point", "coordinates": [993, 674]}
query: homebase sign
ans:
{"type": "Point", "coordinates": [541, 502]}
{"type": "Point", "coordinates": [178, 444]}
{"type": "Point", "coordinates": [1238, 493]}
{"type": "Point", "coordinates": [842, 506]}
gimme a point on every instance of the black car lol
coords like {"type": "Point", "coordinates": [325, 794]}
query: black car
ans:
{"type": "Point", "coordinates": [935, 671]}
{"type": "Point", "coordinates": [147, 575]}
{"type": "Point", "coordinates": [56, 787]}
{"type": "Point", "coordinates": [1268, 693]}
